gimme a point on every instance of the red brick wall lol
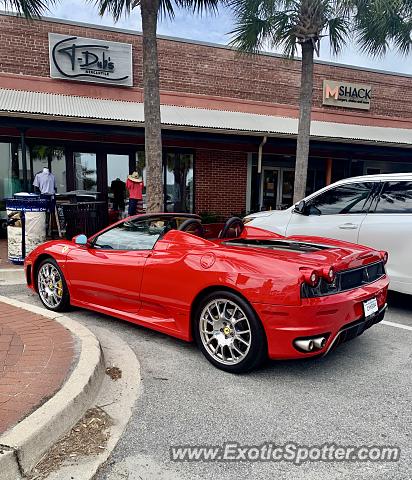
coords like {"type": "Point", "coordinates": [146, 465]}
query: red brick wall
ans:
{"type": "Point", "coordinates": [204, 70]}
{"type": "Point", "coordinates": [220, 179]}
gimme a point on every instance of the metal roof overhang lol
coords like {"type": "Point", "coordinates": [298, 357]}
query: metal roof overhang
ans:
{"type": "Point", "coordinates": [47, 106]}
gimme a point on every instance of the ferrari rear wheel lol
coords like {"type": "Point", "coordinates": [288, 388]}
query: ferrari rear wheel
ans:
{"type": "Point", "coordinates": [229, 333]}
{"type": "Point", "coordinates": [51, 286]}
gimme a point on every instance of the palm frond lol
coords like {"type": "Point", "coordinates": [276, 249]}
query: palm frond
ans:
{"type": "Point", "coordinates": [381, 24]}
{"type": "Point", "coordinates": [28, 8]}
{"type": "Point", "coordinates": [253, 24]}
{"type": "Point", "coordinates": [115, 8]}
{"type": "Point", "coordinates": [250, 34]}
{"type": "Point", "coordinates": [166, 9]}
{"type": "Point", "coordinates": [338, 30]}
{"type": "Point", "coordinates": [402, 38]}
{"type": "Point", "coordinates": [282, 23]}
{"type": "Point", "coordinates": [200, 6]}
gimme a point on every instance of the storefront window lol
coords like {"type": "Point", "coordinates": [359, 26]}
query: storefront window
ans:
{"type": "Point", "coordinates": [287, 186]}
{"type": "Point", "coordinates": [117, 172]}
{"type": "Point", "coordinates": [179, 182]}
{"type": "Point", "coordinates": [177, 177]}
{"type": "Point", "coordinates": [85, 171]}
{"type": "Point", "coordinates": [51, 157]}
{"type": "Point", "coordinates": [270, 189]}
{"type": "Point", "coordinates": [11, 172]}
{"type": "Point", "coordinates": [274, 188]}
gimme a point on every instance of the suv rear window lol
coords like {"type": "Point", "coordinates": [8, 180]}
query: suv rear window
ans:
{"type": "Point", "coordinates": [396, 197]}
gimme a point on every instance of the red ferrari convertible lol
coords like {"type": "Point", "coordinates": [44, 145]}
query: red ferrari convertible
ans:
{"type": "Point", "coordinates": [248, 295]}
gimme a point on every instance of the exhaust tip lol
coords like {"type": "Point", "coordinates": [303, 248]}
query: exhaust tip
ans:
{"type": "Point", "coordinates": [305, 345]}
{"type": "Point", "coordinates": [319, 342]}
{"type": "Point", "coordinates": [310, 344]}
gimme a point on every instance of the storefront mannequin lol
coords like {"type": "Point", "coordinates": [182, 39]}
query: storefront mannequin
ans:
{"type": "Point", "coordinates": [135, 186]}
{"type": "Point", "coordinates": [45, 181]}
{"type": "Point", "coordinates": [118, 188]}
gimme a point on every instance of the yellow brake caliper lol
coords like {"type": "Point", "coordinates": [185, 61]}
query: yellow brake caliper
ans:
{"type": "Point", "coordinates": [60, 288]}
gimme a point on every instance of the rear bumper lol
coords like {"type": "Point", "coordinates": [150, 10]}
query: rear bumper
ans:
{"type": "Point", "coordinates": [338, 317]}
{"type": "Point", "coordinates": [355, 329]}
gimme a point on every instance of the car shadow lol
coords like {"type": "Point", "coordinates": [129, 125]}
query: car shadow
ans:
{"type": "Point", "coordinates": [400, 300]}
{"type": "Point", "coordinates": [345, 358]}
{"type": "Point", "coordinates": [304, 369]}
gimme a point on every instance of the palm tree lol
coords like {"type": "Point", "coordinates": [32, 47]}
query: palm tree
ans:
{"type": "Point", "coordinates": [28, 8]}
{"type": "Point", "coordinates": [380, 25]}
{"type": "Point", "coordinates": [150, 11]}
{"type": "Point", "coordinates": [294, 24]}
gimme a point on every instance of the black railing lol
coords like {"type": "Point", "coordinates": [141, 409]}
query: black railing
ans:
{"type": "Point", "coordinates": [84, 217]}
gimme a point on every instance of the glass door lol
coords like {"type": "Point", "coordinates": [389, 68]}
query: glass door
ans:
{"type": "Point", "coordinates": [269, 189]}
{"type": "Point", "coordinates": [11, 170]}
{"type": "Point", "coordinates": [85, 171]}
{"type": "Point", "coordinates": [117, 172]}
{"type": "Point", "coordinates": [178, 182]}
{"type": "Point", "coordinates": [286, 188]}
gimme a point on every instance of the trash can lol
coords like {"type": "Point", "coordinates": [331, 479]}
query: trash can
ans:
{"type": "Point", "coordinates": [26, 225]}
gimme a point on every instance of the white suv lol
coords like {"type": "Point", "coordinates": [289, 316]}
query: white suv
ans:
{"type": "Point", "coordinates": [373, 210]}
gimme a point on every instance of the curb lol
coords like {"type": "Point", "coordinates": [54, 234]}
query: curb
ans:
{"type": "Point", "coordinates": [22, 446]}
{"type": "Point", "coordinates": [12, 276]}
{"type": "Point", "coordinates": [118, 398]}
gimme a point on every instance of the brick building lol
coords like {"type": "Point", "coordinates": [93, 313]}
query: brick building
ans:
{"type": "Point", "coordinates": [71, 99]}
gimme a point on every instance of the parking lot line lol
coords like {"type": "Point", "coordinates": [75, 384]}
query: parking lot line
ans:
{"type": "Point", "coordinates": [397, 325]}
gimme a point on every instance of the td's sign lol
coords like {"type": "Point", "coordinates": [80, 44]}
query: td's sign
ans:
{"type": "Point", "coordinates": [90, 60]}
{"type": "Point", "coordinates": [347, 95]}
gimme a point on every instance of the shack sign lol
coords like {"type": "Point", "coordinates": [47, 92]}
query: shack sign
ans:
{"type": "Point", "coordinates": [347, 95]}
{"type": "Point", "coordinates": [90, 60]}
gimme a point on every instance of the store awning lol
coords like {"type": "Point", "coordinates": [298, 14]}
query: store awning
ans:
{"type": "Point", "coordinates": [94, 110]}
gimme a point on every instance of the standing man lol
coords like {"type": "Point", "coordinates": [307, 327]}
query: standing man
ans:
{"type": "Point", "coordinates": [135, 186]}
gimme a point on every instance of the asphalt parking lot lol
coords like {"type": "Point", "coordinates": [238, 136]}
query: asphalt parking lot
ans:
{"type": "Point", "coordinates": [358, 395]}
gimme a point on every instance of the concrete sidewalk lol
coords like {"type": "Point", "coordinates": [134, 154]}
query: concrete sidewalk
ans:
{"type": "Point", "coordinates": [10, 274]}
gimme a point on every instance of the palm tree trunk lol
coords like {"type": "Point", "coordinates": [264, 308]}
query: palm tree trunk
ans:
{"type": "Point", "coordinates": [153, 133]}
{"type": "Point", "coordinates": [306, 97]}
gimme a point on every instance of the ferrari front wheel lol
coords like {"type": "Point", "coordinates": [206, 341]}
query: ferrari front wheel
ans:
{"type": "Point", "coordinates": [51, 286]}
{"type": "Point", "coordinates": [229, 333]}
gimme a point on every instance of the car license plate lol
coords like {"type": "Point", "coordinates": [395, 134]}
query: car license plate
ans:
{"type": "Point", "coordinates": [370, 307]}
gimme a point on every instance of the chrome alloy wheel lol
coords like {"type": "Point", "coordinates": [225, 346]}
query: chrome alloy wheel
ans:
{"type": "Point", "coordinates": [225, 331]}
{"type": "Point", "coordinates": [50, 285]}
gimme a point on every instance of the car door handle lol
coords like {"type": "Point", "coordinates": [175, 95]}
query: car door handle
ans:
{"type": "Point", "coordinates": [348, 226]}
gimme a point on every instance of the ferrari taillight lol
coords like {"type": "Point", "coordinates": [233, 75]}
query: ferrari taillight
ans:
{"type": "Point", "coordinates": [329, 274]}
{"type": "Point", "coordinates": [311, 278]}
{"type": "Point", "coordinates": [384, 256]}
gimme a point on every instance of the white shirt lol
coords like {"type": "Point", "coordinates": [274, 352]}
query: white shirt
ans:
{"type": "Point", "coordinates": [46, 182]}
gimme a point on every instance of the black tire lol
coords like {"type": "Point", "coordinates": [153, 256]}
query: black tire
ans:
{"type": "Point", "coordinates": [64, 302]}
{"type": "Point", "coordinates": [254, 355]}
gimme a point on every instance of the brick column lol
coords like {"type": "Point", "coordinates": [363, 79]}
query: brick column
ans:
{"type": "Point", "coordinates": [220, 182]}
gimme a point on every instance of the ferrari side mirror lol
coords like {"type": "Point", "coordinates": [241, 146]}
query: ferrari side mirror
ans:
{"type": "Point", "coordinates": [80, 239]}
{"type": "Point", "coordinates": [301, 208]}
